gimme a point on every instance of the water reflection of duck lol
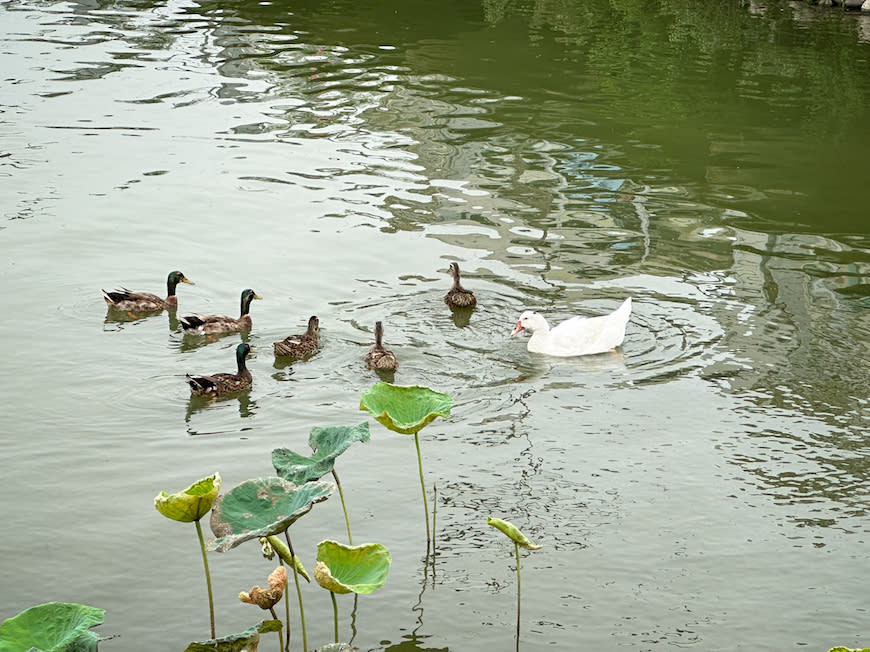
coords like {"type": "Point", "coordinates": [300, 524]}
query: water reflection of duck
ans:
{"type": "Point", "coordinates": [379, 358]}
{"type": "Point", "coordinates": [129, 301]}
{"type": "Point", "coordinates": [577, 335]}
{"type": "Point", "coordinates": [205, 324]}
{"type": "Point", "coordinates": [458, 296]}
{"type": "Point", "coordinates": [299, 346]}
{"type": "Point", "coordinates": [224, 383]}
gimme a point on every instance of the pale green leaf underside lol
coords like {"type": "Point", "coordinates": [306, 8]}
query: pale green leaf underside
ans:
{"type": "Point", "coordinates": [405, 409]}
{"type": "Point", "coordinates": [192, 503]}
{"type": "Point", "coordinates": [359, 569]}
{"type": "Point", "coordinates": [512, 532]}
{"type": "Point", "coordinates": [52, 627]}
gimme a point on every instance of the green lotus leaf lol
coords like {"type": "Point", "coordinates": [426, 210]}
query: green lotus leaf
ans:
{"type": "Point", "coordinates": [52, 627]}
{"type": "Point", "coordinates": [848, 649]}
{"type": "Point", "coordinates": [192, 503]}
{"type": "Point", "coordinates": [327, 444]}
{"type": "Point", "coordinates": [512, 532]}
{"type": "Point", "coordinates": [351, 569]}
{"type": "Point", "coordinates": [405, 409]}
{"type": "Point", "coordinates": [246, 640]}
{"type": "Point", "coordinates": [262, 507]}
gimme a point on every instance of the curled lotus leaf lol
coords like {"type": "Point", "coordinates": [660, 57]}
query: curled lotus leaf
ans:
{"type": "Point", "coordinates": [283, 551]}
{"type": "Point", "coordinates": [405, 409]}
{"type": "Point", "coordinates": [351, 569]}
{"type": "Point", "coordinates": [246, 640]}
{"type": "Point", "coordinates": [190, 504]}
{"type": "Point", "coordinates": [267, 598]}
{"type": "Point", "coordinates": [327, 443]}
{"type": "Point", "coordinates": [260, 508]}
{"type": "Point", "coordinates": [512, 532]}
{"type": "Point", "coordinates": [52, 627]}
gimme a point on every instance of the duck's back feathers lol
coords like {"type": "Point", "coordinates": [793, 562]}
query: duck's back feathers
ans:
{"type": "Point", "coordinates": [458, 296]}
{"type": "Point", "coordinates": [301, 345]}
{"type": "Point", "coordinates": [379, 358]}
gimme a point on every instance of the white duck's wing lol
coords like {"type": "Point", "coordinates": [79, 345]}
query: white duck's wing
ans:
{"type": "Point", "coordinates": [590, 335]}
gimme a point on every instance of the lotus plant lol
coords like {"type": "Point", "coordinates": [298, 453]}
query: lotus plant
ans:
{"type": "Point", "coordinates": [265, 507]}
{"type": "Point", "coordinates": [407, 410]}
{"type": "Point", "coordinates": [190, 505]}
{"type": "Point", "coordinates": [519, 539]}
{"type": "Point", "coordinates": [268, 598]}
{"type": "Point", "coordinates": [52, 626]}
{"type": "Point", "coordinates": [350, 569]}
{"type": "Point", "coordinates": [327, 444]}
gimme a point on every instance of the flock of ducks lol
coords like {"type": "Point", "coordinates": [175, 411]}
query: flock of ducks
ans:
{"type": "Point", "coordinates": [573, 337]}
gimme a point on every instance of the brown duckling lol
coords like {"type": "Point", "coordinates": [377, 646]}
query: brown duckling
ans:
{"type": "Point", "coordinates": [224, 383]}
{"type": "Point", "coordinates": [378, 357]}
{"type": "Point", "coordinates": [299, 346]}
{"type": "Point", "coordinates": [458, 296]}
{"type": "Point", "coordinates": [124, 299]}
{"type": "Point", "coordinates": [206, 324]}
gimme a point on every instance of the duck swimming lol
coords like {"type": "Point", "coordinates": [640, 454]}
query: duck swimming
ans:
{"type": "Point", "coordinates": [577, 335]}
{"type": "Point", "coordinates": [379, 358]}
{"type": "Point", "coordinates": [458, 296]}
{"type": "Point", "coordinates": [206, 324]}
{"type": "Point", "coordinates": [124, 299]}
{"type": "Point", "coordinates": [224, 383]}
{"type": "Point", "coordinates": [300, 345]}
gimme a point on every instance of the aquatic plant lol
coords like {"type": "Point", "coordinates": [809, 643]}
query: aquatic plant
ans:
{"type": "Point", "coordinates": [246, 640]}
{"type": "Point", "coordinates": [52, 627]}
{"type": "Point", "coordinates": [407, 410]}
{"type": "Point", "coordinates": [190, 505]}
{"type": "Point", "coordinates": [265, 507]}
{"type": "Point", "coordinates": [519, 539]}
{"type": "Point", "coordinates": [350, 569]}
{"type": "Point", "coordinates": [327, 443]}
{"type": "Point", "coordinates": [268, 598]}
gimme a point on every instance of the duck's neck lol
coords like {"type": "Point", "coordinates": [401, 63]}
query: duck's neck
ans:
{"type": "Point", "coordinates": [379, 336]}
{"type": "Point", "coordinates": [246, 305]}
{"type": "Point", "coordinates": [171, 284]}
{"type": "Point", "coordinates": [312, 328]}
{"type": "Point", "coordinates": [240, 363]}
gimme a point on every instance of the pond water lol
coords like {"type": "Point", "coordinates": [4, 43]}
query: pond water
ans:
{"type": "Point", "coordinates": [706, 486]}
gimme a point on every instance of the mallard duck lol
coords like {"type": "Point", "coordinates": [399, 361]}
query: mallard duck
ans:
{"type": "Point", "coordinates": [458, 296]}
{"type": "Point", "coordinates": [378, 357]}
{"type": "Point", "coordinates": [300, 345]}
{"type": "Point", "coordinates": [205, 324]}
{"type": "Point", "coordinates": [577, 335]}
{"type": "Point", "coordinates": [224, 383]}
{"type": "Point", "coordinates": [125, 299]}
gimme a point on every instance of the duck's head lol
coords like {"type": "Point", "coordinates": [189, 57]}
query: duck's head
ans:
{"type": "Point", "coordinates": [529, 321]}
{"type": "Point", "coordinates": [175, 278]}
{"type": "Point", "coordinates": [313, 324]}
{"type": "Point", "coordinates": [248, 296]}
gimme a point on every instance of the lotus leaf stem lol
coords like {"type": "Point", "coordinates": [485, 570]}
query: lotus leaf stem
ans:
{"type": "Point", "coordinates": [298, 593]}
{"type": "Point", "coordinates": [423, 487]}
{"type": "Point", "coordinates": [286, 604]}
{"type": "Point", "coordinates": [343, 507]}
{"type": "Point", "coordinates": [275, 616]}
{"type": "Point", "coordinates": [334, 613]}
{"type": "Point", "coordinates": [517, 552]}
{"type": "Point", "coordinates": [207, 576]}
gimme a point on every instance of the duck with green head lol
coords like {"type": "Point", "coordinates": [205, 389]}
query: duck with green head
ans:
{"type": "Point", "coordinates": [124, 299]}
{"type": "Point", "coordinates": [224, 383]}
{"type": "Point", "coordinates": [207, 324]}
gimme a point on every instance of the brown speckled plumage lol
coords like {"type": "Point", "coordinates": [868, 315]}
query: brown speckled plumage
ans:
{"type": "Point", "coordinates": [378, 357]}
{"type": "Point", "coordinates": [129, 301]}
{"type": "Point", "coordinates": [299, 346]}
{"type": "Point", "coordinates": [458, 296]}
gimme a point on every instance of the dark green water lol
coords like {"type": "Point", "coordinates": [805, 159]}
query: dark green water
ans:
{"type": "Point", "coordinates": [706, 487]}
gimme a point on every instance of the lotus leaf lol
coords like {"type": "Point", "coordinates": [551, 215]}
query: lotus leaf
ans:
{"type": "Point", "coordinates": [246, 641]}
{"type": "Point", "coordinates": [405, 409]}
{"type": "Point", "coordinates": [327, 444]}
{"type": "Point", "coordinates": [262, 507]}
{"type": "Point", "coordinates": [512, 532]}
{"type": "Point", "coordinates": [192, 503]}
{"type": "Point", "coordinates": [283, 551]}
{"type": "Point", "coordinates": [52, 627]}
{"type": "Point", "coordinates": [351, 569]}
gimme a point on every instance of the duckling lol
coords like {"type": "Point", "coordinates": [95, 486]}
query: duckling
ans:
{"type": "Point", "coordinates": [224, 383]}
{"type": "Point", "coordinates": [458, 296]}
{"type": "Point", "coordinates": [300, 345]}
{"type": "Point", "coordinates": [378, 357]}
{"type": "Point", "coordinates": [205, 324]}
{"type": "Point", "coordinates": [129, 301]}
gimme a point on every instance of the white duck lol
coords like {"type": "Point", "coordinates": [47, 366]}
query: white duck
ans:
{"type": "Point", "coordinates": [577, 335]}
